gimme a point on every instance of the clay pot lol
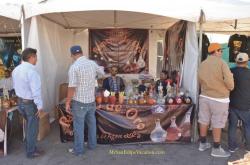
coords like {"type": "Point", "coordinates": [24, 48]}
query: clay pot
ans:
{"type": "Point", "coordinates": [141, 101]}
{"type": "Point", "coordinates": [98, 99]}
{"type": "Point", "coordinates": [151, 101]}
{"type": "Point", "coordinates": [130, 101]}
{"type": "Point", "coordinates": [105, 100]}
{"type": "Point", "coordinates": [112, 99]}
{"type": "Point", "coordinates": [6, 103]}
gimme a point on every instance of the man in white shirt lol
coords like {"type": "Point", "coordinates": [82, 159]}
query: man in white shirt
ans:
{"type": "Point", "coordinates": [81, 97]}
{"type": "Point", "coordinates": [27, 85]}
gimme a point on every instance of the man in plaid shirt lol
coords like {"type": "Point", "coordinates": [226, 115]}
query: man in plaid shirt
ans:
{"type": "Point", "coordinates": [81, 98]}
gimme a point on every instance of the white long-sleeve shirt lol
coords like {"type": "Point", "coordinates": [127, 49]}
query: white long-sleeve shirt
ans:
{"type": "Point", "coordinates": [27, 83]}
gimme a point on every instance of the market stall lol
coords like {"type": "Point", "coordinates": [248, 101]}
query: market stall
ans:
{"type": "Point", "coordinates": [53, 30]}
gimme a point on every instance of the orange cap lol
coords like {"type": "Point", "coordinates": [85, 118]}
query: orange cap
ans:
{"type": "Point", "coordinates": [213, 47]}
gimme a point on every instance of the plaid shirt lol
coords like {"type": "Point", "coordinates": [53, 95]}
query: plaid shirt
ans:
{"type": "Point", "coordinates": [82, 75]}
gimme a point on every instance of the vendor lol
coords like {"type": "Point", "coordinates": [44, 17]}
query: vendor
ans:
{"type": "Point", "coordinates": [162, 82]}
{"type": "Point", "coordinates": [113, 83]}
{"type": "Point", "coordinates": [142, 88]}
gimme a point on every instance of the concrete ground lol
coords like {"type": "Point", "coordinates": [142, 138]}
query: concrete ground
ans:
{"type": "Point", "coordinates": [165, 154]}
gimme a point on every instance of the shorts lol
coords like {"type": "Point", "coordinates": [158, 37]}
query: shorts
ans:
{"type": "Point", "coordinates": [212, 111]}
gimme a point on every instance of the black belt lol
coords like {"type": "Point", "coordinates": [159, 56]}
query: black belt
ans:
{"type": "Point", "coordinates": [25, 100]}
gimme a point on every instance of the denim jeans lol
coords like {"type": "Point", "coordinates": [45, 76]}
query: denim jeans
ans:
{"type": "Point", "coordinates": [28, 111]}
{"type": "Point", "coordinates": [234, 116]}
{"type": "Point", "coordinates": [83, 113]}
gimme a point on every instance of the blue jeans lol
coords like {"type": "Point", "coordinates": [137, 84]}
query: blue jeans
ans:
{"type": "Point", "coordinates": [82, 112]}
{"type": "Point", "coordinates": [234, 116]}
{"type": "Point", "coordinates": [28, 111]}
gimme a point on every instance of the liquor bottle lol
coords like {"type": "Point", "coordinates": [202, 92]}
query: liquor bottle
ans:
{"type": "Point", "coordinates": [174, 133]}
{"type": "Point", "coordinates": [186, 126]}
{"type": "Point", "coordinates": [158, 134]}
{"type": "Point", "coordinates": [169, 99]}
{"type": "Point", "coordinates": [187, 99]}
{"type": "Point", "coordinates": [178, 99]}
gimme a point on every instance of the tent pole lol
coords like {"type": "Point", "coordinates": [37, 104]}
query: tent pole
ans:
{"type": "Point", "coordinates": [195, 121]}
{"type": "Point", "coordinates": [23, 39]}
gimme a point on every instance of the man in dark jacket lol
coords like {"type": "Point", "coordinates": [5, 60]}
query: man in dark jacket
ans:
{"type": "Point", "coordinates": [113, 83]}
{"type": "Point", "coordinates": [162, 82]}
{"type": "Point", "coordinates": [240, 102]}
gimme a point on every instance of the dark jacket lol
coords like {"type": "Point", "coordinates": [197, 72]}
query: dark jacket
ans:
{"type": "Point", "coordinates": [164, 85]}
{"type": "Point", "coordinates": [240, 95]}
{"type": "Point", "coordinates": [108, 84]}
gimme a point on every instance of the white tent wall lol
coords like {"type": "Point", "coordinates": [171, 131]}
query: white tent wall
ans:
{"type": "Point", "coordinates": [81, 38]}
{"type": "Point", "coordinates": [190, 65]}
{"type": "Point", "coordinates": [52, 43]}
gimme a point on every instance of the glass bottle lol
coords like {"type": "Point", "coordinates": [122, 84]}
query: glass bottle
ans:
{"type": "Point", "coordinates": [174, 133]}
{"type": "Point", "coordinates": [178, 99]}
{"type": "Point", "coordinates": [158, 134]}
{"type": "Point", "coordinates": [187, 98]}
{"type": "Point", "coordinates": [186, 126]}
{"type": "Point", "coordinates": [169, 99]}
{"type": "Point", "coordinates": [160, 98]}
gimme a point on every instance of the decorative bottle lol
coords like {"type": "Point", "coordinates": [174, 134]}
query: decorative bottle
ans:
{"type": "Point", "coordinates": [174, 133]}
{"type": "Point", "coordinates": [186, 126]}
{"type": "Point", "coordinates": [187, 99]}
{"type": "Point", "coordinates": [158, 134]}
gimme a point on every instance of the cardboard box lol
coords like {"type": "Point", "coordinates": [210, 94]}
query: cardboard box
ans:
{"type": "Point", "coordinates": [63, 90]}
{"type": "Point", "coordinates": [44, 126]}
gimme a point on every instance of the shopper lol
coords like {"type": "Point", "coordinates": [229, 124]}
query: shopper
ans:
{"type": "Point", "coordinates": [114, 83]}
{"type": "Point", "coordinates": [216, 82]}
{"type": "Point", "coordinates": [81, 97]}
{"type": "Point", "coordinates": [240, 102]}
{"type": "Point", "coordinates": [27, 85]}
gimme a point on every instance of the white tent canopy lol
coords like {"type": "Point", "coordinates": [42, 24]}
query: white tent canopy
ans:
{"type": "Point", "coordinates": [187, 10]}
{"type": "Point", "coordinates": [10, 10]}
{"type": "Point", "coordinates": [220, 15]}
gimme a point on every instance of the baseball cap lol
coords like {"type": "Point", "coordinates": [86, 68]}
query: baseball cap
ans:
{"type": "Point", "coordinates": [213, 47]}
{"type": "Point", "coordinates": [242, 57]}
{"type": "Point", "coordinates": [76, 49]}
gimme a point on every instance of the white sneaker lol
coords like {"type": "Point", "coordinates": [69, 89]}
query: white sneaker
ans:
{"type": "Point", "coordinates": [220, 152]}
{"type": "Point", "coordinates": [204, 146]}
{"type": "Point", "coordinates": [233, 150]}
{"type": "Point", "coordinates": [71, 150]}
